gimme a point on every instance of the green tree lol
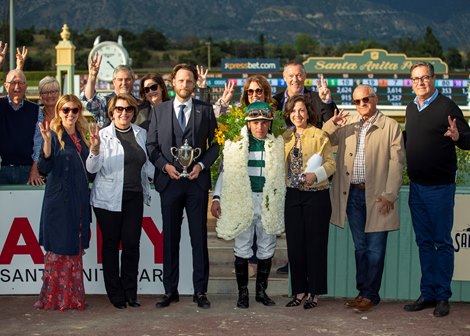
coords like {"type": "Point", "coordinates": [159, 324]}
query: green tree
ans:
{"type": "Point", "coordinates": [430, 45]}
{"type": "Point", "coordinates": [306, 45]}
{"type": "Point", "coordinates": [454, 59]}
{"type": "Point", "coordinates": [154, 40]}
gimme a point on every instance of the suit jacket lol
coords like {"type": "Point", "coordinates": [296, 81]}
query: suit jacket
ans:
{"type": "Point", "coordinates": [324, 111]}
{"type": "Point", "coordinates": [164, 132]}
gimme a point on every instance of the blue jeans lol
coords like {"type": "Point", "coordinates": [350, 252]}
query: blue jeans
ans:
{"type": "Point", "coordinates": [369, 247]}
{"type": "Point", "coordinates": [432, 213]}
{"type": "Point", "coordinates": [14, 174]}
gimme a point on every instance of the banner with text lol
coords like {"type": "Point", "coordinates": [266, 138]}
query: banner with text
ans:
{"type": "Point", "coordinates": [22, 259]}
{"type": "Point", "coordinates": [250, 65]}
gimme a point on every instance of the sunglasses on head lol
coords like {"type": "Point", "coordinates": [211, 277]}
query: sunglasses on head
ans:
{"type": "Point", "coordinates": [251, 91]}
{"type": "Point", "coordinates": [365, 100]}
{"type": "Point", "coordinates": [127, 108]}
{"type": "Point", "coordinates": [153, 87]}
{"type": "Point", "coordinates": [256, 113]}
{"type": "Point", "coordinates": [74, 110]}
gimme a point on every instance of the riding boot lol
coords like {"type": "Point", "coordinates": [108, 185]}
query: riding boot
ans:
{"type": "Point", "coordinates": [241, 270]}
{"type": "Point", "coordinates": [262, 275]}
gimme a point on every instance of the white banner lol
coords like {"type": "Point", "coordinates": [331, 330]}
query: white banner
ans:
{"type": "Point", "coordinates": [22, 259]}
{"type": "Point", "coordinates": [461, 237]}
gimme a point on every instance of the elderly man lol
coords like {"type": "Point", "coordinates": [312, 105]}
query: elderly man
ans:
{"type": "Point", "coordinates": [294, 75]}
{"type": "Point", "coordinates": [20, 139]}
{"type": "Point", "coordinates": [434, 126]}
{"type": "Point", "coordinates": [95, 103]}
{"type": "Point", "coordinates": [370, 160]}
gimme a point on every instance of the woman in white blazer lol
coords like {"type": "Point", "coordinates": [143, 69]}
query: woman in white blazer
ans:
{"type": "Point", "coordinates": [121, 187]}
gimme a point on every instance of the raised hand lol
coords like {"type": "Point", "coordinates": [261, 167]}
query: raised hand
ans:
{"type": "Point", "coordinates": [340, 118]}
{"type": "Point", "coordinates": [45, 131]}
{"type": "Point", "coordinates": [2, 52]}
{"type": "Point", "coordinates": [94, 138]}
{"type": "Point", "coordinates": [452, 130]}
{"type": "Point", "coordinates": [201, 76]}
{"type": "Point", "coordinates": [21, 57]}
{"type": "Point", "coordinates": [228, 92]}
{"type": "Point", "coordinates": [94, 66]}
{"type": "Point", "coordinates": [323, 90]}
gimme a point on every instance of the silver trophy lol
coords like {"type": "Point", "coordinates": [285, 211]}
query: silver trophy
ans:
{"type": "Point", "coordinates": [185, 155]}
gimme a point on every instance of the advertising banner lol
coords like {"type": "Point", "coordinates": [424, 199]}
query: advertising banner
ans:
{"type": "Point", "coordinates": [250, 65]}
{"type": "Point", "coordinates": [22, 259]}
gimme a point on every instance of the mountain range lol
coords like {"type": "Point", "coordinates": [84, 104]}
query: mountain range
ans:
{"type": "Point", "coordinates": [329, 21]}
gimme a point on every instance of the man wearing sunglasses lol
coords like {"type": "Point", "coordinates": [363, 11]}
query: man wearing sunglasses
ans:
{"type": "Point", "coordinates": [294, 75]}
{"type": "Point", "coordinates": [97, 104]}
{"type": "Point", "coordinates": [20, 138]}
{"type": "Point", "coordinates": [369, 166]}
{"type": "Point", "coordinates": [172, 123]}
{"type": "Point", "coordinates": [434, 126]}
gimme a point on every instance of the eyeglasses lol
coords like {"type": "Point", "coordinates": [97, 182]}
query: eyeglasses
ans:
{"type": "Point", "coordinates": [19, 83]}
{"type": "Point", "coordinates": [49, 93]}
{"type": "Point", "coordinates": [153, 87]}
{"type": "Point", "coordinates": [129, 109]}
{"type": "Point", "coordinates": [365, 100]}
{"type": "Point", "coordinates": [251, 91]}
{"type": "Point", "coordinates": [74, 110]}
{"type": "Point", "coordinates": [424, 79]}
{"type": "Point", "coordinates": [257, 112]}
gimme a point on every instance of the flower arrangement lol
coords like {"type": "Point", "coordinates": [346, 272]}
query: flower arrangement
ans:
{"type": "Point", "coordinates": [231, 123]}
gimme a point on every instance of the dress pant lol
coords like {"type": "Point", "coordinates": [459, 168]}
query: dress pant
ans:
{"type": "Point", "coordinates": [432, 213]}
{"type": "Point", "coordinates": [124, 227]}
{"type": "Point", "coordinates": [179, 195]}
{"type": "Point", "coordinates": [307, 220]}
{"type": "Point", "coordinates": [369, 247]}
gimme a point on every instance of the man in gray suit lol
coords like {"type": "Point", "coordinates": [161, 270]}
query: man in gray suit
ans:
{"type": "Point", "coordinates": [172, 123]}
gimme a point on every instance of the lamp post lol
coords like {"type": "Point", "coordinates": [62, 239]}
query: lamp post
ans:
{"type": "Point", "coordinates": [208, 44]}
{"type": "Point", "coordinates": [12, 37]}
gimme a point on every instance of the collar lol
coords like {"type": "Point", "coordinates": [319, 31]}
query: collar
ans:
{"type": "Point", "coordinates": [427, 101]}
{"type": "Point", "coordinates": [16, 108]}
{"type": "Point", "coordinates": [177, 104]}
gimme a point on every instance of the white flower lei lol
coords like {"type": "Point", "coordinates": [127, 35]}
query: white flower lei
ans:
{"type": "Point", "coordinates": [236, 194]}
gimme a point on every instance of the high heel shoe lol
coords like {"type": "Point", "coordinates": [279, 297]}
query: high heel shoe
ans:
{"type": "Point", "coordinates": [295, 301]}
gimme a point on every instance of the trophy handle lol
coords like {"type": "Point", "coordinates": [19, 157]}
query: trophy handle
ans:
{"type": "Point", "coordinates": [198, 150]}
{"type": "Point", "coordinates": [172, 151]}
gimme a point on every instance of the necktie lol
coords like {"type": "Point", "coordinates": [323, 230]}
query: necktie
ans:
{"type": "Point", "coordinates": [182, 118]}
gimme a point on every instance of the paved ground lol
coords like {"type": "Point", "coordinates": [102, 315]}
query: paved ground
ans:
{"type": "Point", "coordinates": [17, 317]}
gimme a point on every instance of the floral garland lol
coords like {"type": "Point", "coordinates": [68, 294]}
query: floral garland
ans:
{"type": "Point", "coordinates": [236, 194]}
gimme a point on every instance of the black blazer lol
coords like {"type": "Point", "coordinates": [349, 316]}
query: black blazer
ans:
{"type": "Point", "coordinates": [164, 132]}
{"type": "Point", "coordinates": [324, 111]}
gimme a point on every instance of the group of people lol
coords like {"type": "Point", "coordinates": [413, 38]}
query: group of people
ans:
{"type": "Point", "coordinates": [267, 184]}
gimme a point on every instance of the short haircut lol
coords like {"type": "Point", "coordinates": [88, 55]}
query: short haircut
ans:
{"type": "Point", "coordinates": [428, 65]}
{"type": "Point", "coordinates": [294, 63]}
{"type": "Point", "coordinates": [48, 81]}
{"type": "Point", "coordinates": [15, 72]}
{"type": "Point", "coordinates": [371, 89]}
{"type": "Point", "coordinates": [123, 67]}
{"type": "Point", "coordinates": [122, 96]}
{"type": "Point", "coordinates": [184, 66]}
{"type": "Point", "coordinates": [312, 117]}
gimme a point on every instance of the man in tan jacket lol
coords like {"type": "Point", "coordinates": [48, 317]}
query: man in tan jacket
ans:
{"type": "Point", "coordinates": [369, 161]}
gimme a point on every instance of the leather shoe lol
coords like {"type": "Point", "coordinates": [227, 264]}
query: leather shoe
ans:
{"type": "Point", "coordinates": [202, 301]}
{"type": "Point", "coordinates": [167, 299]}
{"type": "Point", "coordinates": [365, 305]}
{"type": "Point", "coordinates": [354, 302]}
{"type": "Point", "coordinates": [133, 303]}
{"type": "Point", "coordinates": [120, 305]}
{"type": "Point", "coordinates": [419, 304]}
{"type": "Point", "coordinates": [442, 308]}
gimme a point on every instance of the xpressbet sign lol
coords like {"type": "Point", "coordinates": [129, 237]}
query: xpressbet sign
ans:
{"type": "Point", "coordinates": [251, 65]}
